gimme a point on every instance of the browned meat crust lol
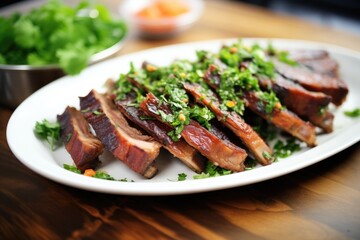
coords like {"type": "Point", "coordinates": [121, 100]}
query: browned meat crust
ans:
{"type": "Point", "coordinates": [219, 152]}
{"type": "Point", "coordinates": [317, 60]}
{"type": "Point", "coordinates": [128, 144]}
{"type": "Point", "coordinates": [332, 86]}
{"type": "Point", "coordinates": [307, 54]}
{"type": "Point", "coordinates": [307, 104]}
{"type": "Point", "coordinates": [283, 119]}
{"type": "Point", "coordinates": [234, 122]}
{"type": "Point", "coordinates": [326, 66]}
{"type": "Point", "coordinates": [80, 143]}
{"type": "Point", "coordinates": [180, 149]}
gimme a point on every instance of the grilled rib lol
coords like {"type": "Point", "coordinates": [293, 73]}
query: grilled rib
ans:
{"type": "Point", "coordinates": [307, 104]}
{"type": "Point", "coordinates": [234, 122]}
{"type": "Point", "coordinates": [332, 86]}
{"type": "Point", "coordinates": [83, 147]}
{"type": "Point", "coordinates": [136, 150]}
{"type": "Point", "coordinates": [219, 152]}
{"type": "Point", "coordinates": [180, 149]}
{"type": "Point", "coordinates": [282, 119]}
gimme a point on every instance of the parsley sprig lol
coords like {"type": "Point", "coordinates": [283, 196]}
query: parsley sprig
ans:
{"type": "Point", "coordinates": [49, 131]}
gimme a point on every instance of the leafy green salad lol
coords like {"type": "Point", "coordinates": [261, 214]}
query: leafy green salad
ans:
{"type": "Point", "coordinates": [56, 33]}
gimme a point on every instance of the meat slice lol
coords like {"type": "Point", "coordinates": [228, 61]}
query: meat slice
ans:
{"type": "Point", "coordinates": [307, 104]}
{"type": "Point", "coordinates": [219, 152]}
{"type": "Point", "coordinates": [180, 149]}
{"type": "Point", "coordinates": [80, 143]}
{"type": "Point", "coordinates": [283, 119]}
{"type": "Point", "coordinates": [307, 54]}
{"type": "Point", "coordinates": [317, 60]}
{"type": "Point", "coordinates": [234, 122]}
{"type": "Point", "coordinates": [126, 143]}
{"type": "Point", "coordinates": [312, 81]}
{"type": "Point", "coordinates": [325, 65]}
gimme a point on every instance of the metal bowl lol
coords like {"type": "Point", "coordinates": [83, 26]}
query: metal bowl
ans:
{"type": "Point", "coordinates": [17, 82]}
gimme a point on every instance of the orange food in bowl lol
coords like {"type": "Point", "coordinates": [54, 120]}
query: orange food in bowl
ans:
{"type": "Point", "coordinates": [158, 17]}
{"type": "Point", "coordinates": [163, 9]}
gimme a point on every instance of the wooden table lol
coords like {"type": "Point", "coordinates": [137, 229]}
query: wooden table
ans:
{"type": "Point", "coordinates": [318, 202]}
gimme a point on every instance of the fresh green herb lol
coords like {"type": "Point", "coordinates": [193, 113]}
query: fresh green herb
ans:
{"type": "Point", "coordinates": [72, 168]}
{"type": "Point", "coordinates": [202, 115]}
{"type": "Point", "coordinates": [211, 170]}
{"type": "Point", "coordinates": [323, 110]}
{"type": "Point", "coordinates": [49, 131]}
{"type": "Point", "coordinates": [68, 137]}
{"type": "Point", "coordinates": [55, 33]}
{"type": "Point", "coordinates": [97, 113]}
{"type": "Point", "coordinates": [267, 155]}
{"type": "Point", "coordinates": [262, 67]}
{"type": "Point", "coordinates": [232, 83]}
{"type": "Point", "coordinates": [182, 177]}
{"type": "Point", "coordinates": [103, 175]}
{"type": "Point", "coordinates": [285, 149]}
{"type": "Point", "coordinates": [250, 163]}
{"type": "Point", "coordinates": [353, 113]}
{"type": "Point", "coordinates": [98, 174]}
{"type": "Point", "coordinates": [269, 101]}
{"type": "Point", "coordinates": [283, 56]}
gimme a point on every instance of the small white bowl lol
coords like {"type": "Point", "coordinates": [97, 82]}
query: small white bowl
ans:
{"type": "Point", "coordinates": [163, 27]}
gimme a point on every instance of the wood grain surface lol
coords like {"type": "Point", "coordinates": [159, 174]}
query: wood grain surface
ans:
{"type": "Point", "coordinates": [319, 202]}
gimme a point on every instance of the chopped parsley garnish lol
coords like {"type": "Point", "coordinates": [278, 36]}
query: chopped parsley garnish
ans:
{"type": "Point", "coordinates": [353, 113]}
{"type": "Point", "coordinates": [283, 56]}
{"type": "Point", "coordinates": [285, 149]}
{"type": "Point", "coordinates": [211, 170]}
{"type": "Point", "coordinates": [269, 101]}
{"type": "Point", "coordinates": [250, 163]}
{"type": "Point", "coordinates": [71, 168]}
{"type": "Point", "coordinates": [182, 177]}
{"type": "Point", "coordinates": [94, 174]}
{"type": "Point", "coordinates": [49, 131]}
{"type": "Point", "coordinates": [103, 175]}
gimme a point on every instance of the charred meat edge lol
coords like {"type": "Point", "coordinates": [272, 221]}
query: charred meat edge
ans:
{"type": "Point", "coordinates": [325, 65]}
{"type": "Point", "coordinates": [307, 54]}
{"type": "Point", "coordinates": [83, 147]}
{"type": "Point", "coordinates": [307, 104]}
{"type": "Point", "coordinates": [180, 149]}
{"type": "Point", "coordinates": [282, 119]}
{"type": "Point", "coordinates": [234, 122]}
{"type": "Point", "coordinates": [128, 144]}
{"type": "Point", "coordinates": [219, 152]}
{"type": "Point", "coordinates": [332, 86]}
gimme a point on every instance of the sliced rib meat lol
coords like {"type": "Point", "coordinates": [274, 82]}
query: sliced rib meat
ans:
{"type": "Point", "coordinates": [283, 119]}
{"type": "Point", "coordinates": [307, 104]}
{"type": "Point", "coordinates": [312, 81]}
{"type": "Point", "coordinates": [219, 152]}
{"type": "Point", "coordinates": [325, 65]}
{"type": "Point", "coordinates": [158, 130]}
{"type": "Point", "coordinates": [234, 122]}
{"type": "Point", "coordinates": [80, 143]}
{"type": "Point", "coordinates": [307, 54]}
{"type": "Point", "coordinates": [126, 143]}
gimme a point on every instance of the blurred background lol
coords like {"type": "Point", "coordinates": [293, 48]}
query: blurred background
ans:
{"type": "Point", "coordinates": [343, 15]}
